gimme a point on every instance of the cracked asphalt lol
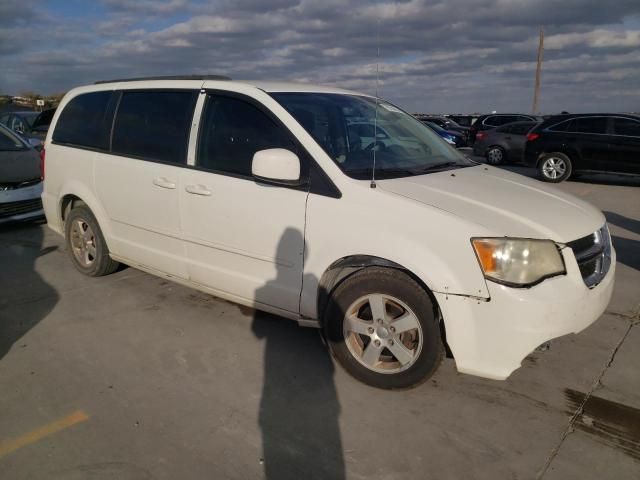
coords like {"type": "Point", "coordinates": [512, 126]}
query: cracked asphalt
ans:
{"type": "Point", "coordinates": [132, 377]}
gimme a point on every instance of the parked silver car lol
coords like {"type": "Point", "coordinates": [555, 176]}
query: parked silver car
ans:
{"type": "Point", "coordinates": [20, 178]}
{"type": "Point", "coordinates": [32, 126]}
{"type": "Point", "coordinates": [503, 144]}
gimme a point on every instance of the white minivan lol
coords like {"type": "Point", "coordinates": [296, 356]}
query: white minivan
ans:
{"type": "Point", "coordinates": [396, 245]}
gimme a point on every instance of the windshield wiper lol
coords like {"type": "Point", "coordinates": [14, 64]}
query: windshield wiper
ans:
{"type": "Point", "coordinates": [437, 167]}
{"type": "Point", "coordinates": [383, 172]}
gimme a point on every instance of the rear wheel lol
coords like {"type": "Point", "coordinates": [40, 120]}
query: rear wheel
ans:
{"type": "Point", "coordinates": [554, 167]}
{"type": "Point", "coordinates": [495, 155]}
{"type": "Point", "coordinates": [383, 329]}
{"type": "Point", "coordinates": [85, 242]}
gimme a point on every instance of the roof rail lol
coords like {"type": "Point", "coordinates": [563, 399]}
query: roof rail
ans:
{"type": "Point", "coordinates": [167, 77]}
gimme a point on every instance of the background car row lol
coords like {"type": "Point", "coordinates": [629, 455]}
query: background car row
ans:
{"type": "Point", "coordinates": [20, 178]}
{"type": "Point", "coordinates": [560, 146]}
{"type": "Point", "coordinates": [33, 126]}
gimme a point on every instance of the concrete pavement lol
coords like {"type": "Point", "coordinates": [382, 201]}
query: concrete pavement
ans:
{"type": "Point", "coordinates": [177, 384]}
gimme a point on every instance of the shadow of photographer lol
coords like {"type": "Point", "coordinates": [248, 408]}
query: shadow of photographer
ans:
{"type": "Point", "coordinates": [299, 407]}
{"type": "Point", "coordinates": [25, 297]}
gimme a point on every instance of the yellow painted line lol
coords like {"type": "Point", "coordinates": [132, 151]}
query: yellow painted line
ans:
{"type": "Point", "coordinates": [11, 445]}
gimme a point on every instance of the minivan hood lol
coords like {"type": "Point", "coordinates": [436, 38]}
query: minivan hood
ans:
{"type": "Point", "coordinates": [506, 203]}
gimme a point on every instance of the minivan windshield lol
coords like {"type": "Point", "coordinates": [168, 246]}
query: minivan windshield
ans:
{"type": "Point", "coordinates": [401, 145]}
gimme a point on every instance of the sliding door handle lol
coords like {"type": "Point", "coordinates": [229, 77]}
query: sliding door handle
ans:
{"type": "Point", "coordinates": [198, 190]}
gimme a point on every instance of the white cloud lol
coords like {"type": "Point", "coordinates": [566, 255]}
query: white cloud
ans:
{"type": "Point", "coordinates": [435, 55]}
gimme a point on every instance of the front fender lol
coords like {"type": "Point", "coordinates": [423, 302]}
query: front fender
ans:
{"type": "Point", "coordinates": [431, 244]}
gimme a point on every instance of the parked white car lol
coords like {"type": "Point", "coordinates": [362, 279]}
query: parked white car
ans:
{"type": "Point", "coordinates": [254, 192]}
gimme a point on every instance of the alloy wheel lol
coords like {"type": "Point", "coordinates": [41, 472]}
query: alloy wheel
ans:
{"type": "Point", "coordinates": [83, 242]}
{"type": "Point", "coordinates": [554, 168]}
{"type": "Point", "coordinates": [382, 333]}
{"type": "Point", "coordinates": [494, 156]}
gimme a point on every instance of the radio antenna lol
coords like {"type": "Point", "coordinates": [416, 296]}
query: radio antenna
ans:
{"type": "Point", "coordinates": [375, 121]}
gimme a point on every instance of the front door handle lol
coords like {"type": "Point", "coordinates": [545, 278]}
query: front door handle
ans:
{"type": "Point", "coordinates": [162, 182]}
{"type": "Point", "coordinates": [198, 190]}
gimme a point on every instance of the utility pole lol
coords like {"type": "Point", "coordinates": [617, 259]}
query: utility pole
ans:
{"type": "Point", "coordinates": [536, 92]}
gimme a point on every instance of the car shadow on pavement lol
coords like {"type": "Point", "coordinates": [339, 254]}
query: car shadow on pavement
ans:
{"type": "Point", "coordinates": [607, 179]}
{"type": "Point", "coordinates": [25, 297]}
{"type": "Point", "coordinates": [631, 224]}
{"type": "Point", "coordinates": [594, 178]}
{"type": "Point", "coordinates": [627, 251]}
{"type": "Point", "coordinates": [299, 407]}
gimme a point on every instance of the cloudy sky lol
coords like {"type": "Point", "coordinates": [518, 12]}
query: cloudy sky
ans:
{"type": "Point", "coordinates": [436, 56]}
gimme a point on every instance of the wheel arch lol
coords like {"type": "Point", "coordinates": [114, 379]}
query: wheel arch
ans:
{"type": "Point", "coordinates": [67, 203]}
{"type": "Point", "coordinates": [341, 269]}
{"type": "Point", "coordinates": [505, 153]}
{"type": "Point", "coordinates": [76, 193]}
{"type": "Point", "coordinates": [569, 152]}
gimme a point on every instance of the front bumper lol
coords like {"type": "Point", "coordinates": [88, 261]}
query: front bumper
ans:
{"type": "Point", "coordinates": [491, 338]}
{"type": "Point", "coordinates": [21, 204]}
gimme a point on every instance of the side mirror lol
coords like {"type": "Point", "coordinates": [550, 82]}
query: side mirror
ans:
{"type": "Point", "coordinates": [276, 165]}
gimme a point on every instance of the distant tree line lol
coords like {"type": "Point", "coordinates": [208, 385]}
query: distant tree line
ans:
{"type": "Point", "coordinates": [28, 98]}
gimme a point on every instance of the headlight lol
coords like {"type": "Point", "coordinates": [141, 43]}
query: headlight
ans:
{"type": "Point", "coordinates": [518, 262]}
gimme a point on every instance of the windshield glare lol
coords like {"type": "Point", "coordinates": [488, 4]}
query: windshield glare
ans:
{"type": "Point", "coordinates": [351, 130]}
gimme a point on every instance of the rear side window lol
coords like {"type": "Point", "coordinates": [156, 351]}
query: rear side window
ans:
{"type": "Point", "coordinates": [589, 125]}
{"type": "Point", "coordinates": [522, 128]}
{"type": "Point", "coordinates": [498, 120]}
{"type": "Point", "coordinates": [626, 126]}
{"type": "Point", "coordinates": [19, 125]}
{"type": "Point", "coordinates": [154, 125]}
{"type": "Point", "coordinates": [82, 122]}
{"type": "Point", "coordinates": [562, 126]}
{"type": "Point", "coordinates": [232, 131]}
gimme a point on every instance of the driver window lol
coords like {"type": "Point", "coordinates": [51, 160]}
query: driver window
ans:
{"type": "Point", "coordinates": [232, 131]}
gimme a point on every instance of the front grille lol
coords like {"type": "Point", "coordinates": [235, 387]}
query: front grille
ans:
{"type": "Point", "coordinates": [10, 209]}
{"type": "Point", "coordinates": [593, 254]}
{"type": "Point", "coordinates": [16, 185]}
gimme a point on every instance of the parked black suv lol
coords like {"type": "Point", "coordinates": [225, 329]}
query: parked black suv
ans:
{"type": "Point", "coordinates": [487, 122]}
{"type": "Point", "coordinates": [597, 142]}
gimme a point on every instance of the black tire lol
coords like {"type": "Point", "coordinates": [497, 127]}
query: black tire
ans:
{"type": "Point", "coordinates": [496, 155]}
{"type": "Point", "coordinates": [392, 283]}
{"type": "Point", "coordinates": [101, 263]}
{"type": "Point", "coordinates": [549, 173]}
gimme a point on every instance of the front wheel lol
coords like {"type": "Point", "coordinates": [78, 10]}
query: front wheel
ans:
{"type": "Point", "coordinates": [554, 167]}
{"type": "Point", "coordinates": [383, 329]}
